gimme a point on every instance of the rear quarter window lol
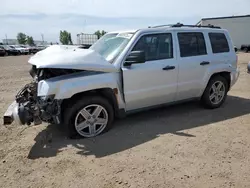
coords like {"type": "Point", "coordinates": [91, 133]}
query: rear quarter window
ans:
{"type": "Point", "coordinates": [219, 42]}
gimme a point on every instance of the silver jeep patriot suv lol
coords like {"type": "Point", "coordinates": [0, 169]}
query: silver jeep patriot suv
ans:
{"type": "Point", "coordinates": [124, 72]}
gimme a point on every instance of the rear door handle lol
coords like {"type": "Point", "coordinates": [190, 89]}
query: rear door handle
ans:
{"type": "Point", "coordinates": [204, 63]}
{"type": "Point", "coordinates": [168, 68]}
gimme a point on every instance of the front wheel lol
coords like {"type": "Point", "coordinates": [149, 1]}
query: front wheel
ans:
{"type": "Point", "coordinates": [89, 117]}
{"type": "Point", "coordinates": [215, 93]}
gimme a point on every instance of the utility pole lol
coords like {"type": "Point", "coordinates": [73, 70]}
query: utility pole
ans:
{"type": "Point", "coordinates": [6, 39]}
{"type": "Point", "coordinates": [42, 38]}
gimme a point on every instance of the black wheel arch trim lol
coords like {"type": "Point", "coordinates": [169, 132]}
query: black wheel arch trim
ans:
{"type": "Point", "coordinates": [107, 93]}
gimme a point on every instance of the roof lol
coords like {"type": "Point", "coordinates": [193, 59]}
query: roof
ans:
{"type": "Point", "coordinates": [160, 28]}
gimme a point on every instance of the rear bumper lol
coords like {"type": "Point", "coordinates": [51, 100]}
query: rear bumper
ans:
{"type": "Point", "coordinates": [11, 114]}
{"type": "Point", "coordinates": [234, 76]}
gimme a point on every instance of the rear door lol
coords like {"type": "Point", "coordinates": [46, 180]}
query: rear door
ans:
{"type": "Point", "coordinates": [193, 62]}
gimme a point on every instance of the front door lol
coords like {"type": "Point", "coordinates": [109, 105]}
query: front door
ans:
{"type": "Point", "coordinates": [155, 81]}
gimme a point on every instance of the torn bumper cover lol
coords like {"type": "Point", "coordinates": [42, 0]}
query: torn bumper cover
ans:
{"type": "Point", "coordinates": [29, 108]}
{"type": "Point", "coordinates": [11, 114]}
{"type": "Point", "coordinates": [21, 115]}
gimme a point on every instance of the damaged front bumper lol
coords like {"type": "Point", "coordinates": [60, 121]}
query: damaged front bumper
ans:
{"type": "Point", "coordinates": [29, 108]}
{"type": "Point", "coordinates": [18, 113]}
{"type": "Point", "coordinates": [11, 114]}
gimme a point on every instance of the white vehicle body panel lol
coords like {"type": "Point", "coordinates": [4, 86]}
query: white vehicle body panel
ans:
{"type": "Point", "coordinates": [64, 87]}
{"type": "Point", "coordinates": [66, 57]}
{"type": "Point", "coordinates": [148, 85]}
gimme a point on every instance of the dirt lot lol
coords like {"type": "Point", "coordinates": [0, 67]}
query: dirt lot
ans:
{"type": "Point", "coordinates": [179, 146]}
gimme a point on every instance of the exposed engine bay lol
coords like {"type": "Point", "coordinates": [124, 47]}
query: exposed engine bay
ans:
{"type": "Point", "coordinates": [34, 109]}
{"type": "Point", "coordinates": [46, 73]}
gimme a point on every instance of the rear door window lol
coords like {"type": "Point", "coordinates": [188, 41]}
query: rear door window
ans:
{"type": "Point", "coordinates": [191, 44]}
{"type": "Point", "coordinates": [218, 42]}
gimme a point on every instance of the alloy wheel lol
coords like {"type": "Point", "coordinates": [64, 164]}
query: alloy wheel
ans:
{"type": "Point", "coordinates": [217, 92]}
{"type": "Point", "coordinates": [91, 120]}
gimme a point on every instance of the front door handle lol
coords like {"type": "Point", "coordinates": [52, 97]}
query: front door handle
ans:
{"type": "Point", "coordinates": [204, 63]}
{"type": "Point", "coordinates": [168, 68]}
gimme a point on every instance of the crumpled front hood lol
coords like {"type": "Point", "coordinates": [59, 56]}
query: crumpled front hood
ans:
{"type": "Point", "coordinates": [71, 57]}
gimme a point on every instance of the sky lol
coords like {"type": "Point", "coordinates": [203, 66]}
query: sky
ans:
{"type": "Point", "coordinates": [48, 17]}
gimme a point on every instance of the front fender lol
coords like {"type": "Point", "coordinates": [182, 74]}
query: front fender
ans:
{"type": "Point", "coordinates": [64, 87]}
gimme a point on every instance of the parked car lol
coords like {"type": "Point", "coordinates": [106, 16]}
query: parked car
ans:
{"type": "Point", "coordinates": [41, 47]}
{"type": "Point", "coordinates": [9, 50]}
{"type": "Point", "coordinates": [235, 49]}
{"type": "Point", "coordinates": [32, 49]}
{"type": "Point", "coordinates": [2, 51]}
{"type": "Point", "coordinates": [126, 72]}
{"type": "Point", "coordinates": [20, 49]}
{"type": "Point", "coordinates": [245, 47]}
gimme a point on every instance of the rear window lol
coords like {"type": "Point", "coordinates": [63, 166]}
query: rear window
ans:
{"type": "Point", "coordinates": [191, 44]}
{"type": "Point", "coordinates": [219, 42]}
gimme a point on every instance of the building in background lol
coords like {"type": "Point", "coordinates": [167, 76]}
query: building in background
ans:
{"type": "Point", "coordinates": [238, 27]}
{"type": "Point", "coordinates": [38, 42]}
{"type": "Point", "coordinates": [86, 39]}
{"type": "Point", "coordinates": [10, 41]}
{"type": "Point", "coordinates": [14, 42]}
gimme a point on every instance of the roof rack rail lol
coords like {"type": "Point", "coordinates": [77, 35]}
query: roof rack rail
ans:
{"type": "Point", "coordinates": [160, 26]}
{"type": "Point", "coordinates": [206, 26]}
{"type": "Point", "coordinates": [182, 25]}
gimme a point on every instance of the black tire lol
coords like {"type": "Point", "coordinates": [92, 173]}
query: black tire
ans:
{"type": "Point", "coordinates": [71, 113]}
{"type": "Point", "coordinates": [245, 50]}
{"type": "Point", "coordinates": [205, 99]}
{"type": "Point", "coordinates": [6, 54]}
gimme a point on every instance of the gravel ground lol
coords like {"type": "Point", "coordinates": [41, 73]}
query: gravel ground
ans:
{"type": "Point", "coordinates": [170, 147]}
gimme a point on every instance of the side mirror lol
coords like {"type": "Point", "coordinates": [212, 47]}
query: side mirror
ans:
{"type": "Point", "coordinates": [135, 57]}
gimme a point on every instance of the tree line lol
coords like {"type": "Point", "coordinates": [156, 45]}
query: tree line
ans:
{"type": "Point", "coordinates": [25, 39]}
{"type": "Point", "coordinates": [65, 37]}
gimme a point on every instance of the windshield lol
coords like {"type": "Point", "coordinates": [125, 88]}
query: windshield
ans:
{"type": "Point", "coordinates": [111, 45]}
{"type": "Point", "coordinates": [11, 46]}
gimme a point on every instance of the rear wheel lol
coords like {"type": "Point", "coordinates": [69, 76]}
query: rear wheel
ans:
{"type": "Point", "coordinates": [215, 93]}
{"type": "Point", "coordinates": [89, 117]}
{"type": "Point", "coordinates": [245, 50]}
{"type": "Point", "coordinates": [6, 53]}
